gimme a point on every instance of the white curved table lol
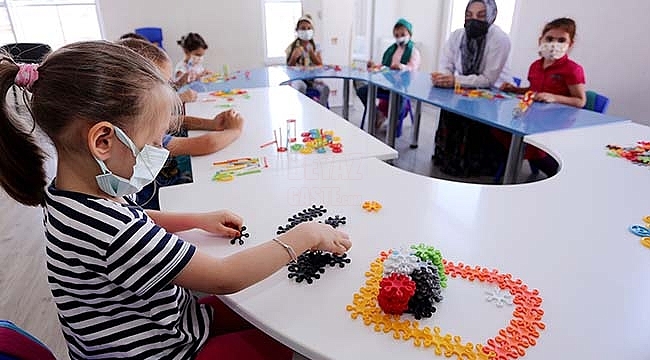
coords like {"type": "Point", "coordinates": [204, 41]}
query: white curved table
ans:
{"type": "Point", "coordinates": [566, 236]}
{"type": "Point", "coordinates": [268, 109]}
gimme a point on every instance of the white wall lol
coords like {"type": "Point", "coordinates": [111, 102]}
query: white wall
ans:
{"type": "Point", "coordinates": [611, 45]}
{"type": "Point", "coordinates": [232, 29]}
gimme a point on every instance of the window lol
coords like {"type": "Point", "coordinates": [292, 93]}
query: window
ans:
{"type": "Point", "coordinates": [362, 31]}
{"type": "Point", "coordinates": [280, 17]}
{"type": "Point", "coordinates": [506, 12]}
{"type": "Point", "coordinates": [52, 22]}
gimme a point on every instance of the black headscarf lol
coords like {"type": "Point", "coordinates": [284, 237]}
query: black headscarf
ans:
{"type": "Point", "coordinates": [472, 49]}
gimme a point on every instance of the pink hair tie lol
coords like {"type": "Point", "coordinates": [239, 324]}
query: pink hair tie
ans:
{"type": "Point", "coordinates": [27, 75]}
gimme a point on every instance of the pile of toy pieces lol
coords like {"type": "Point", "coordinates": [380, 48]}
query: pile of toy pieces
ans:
{"type": "Point", "coordinates": [477, 93]}
{"type": "Point", "coordinates": [639, 154]}
{"type": "Point", "coordinates": [318, 140]}
{"type": "Point", "coordinates": [312, 263]}
{"type": "Point", "coordinates": [229, 169]}
{"type": "Point", "coordinates": [524, 104]}
{"type": "Point", "coordinates": [411, 281]}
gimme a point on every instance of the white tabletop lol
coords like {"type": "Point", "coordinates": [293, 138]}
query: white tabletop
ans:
{"type": "Point", "coordinates": [566, 236]}
{"type": "Point", "coordinates": [268, 109]}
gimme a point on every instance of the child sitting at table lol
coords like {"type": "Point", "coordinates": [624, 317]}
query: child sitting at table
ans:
{"type": "Point", "coordinates": [402, 55]}
{"type": "Point", "coordinates": [305, 52]}
{"type": "Point", "coordinates": [554, 78]}
{"type": "Point", "coordinates": [121, 278]}
{"type": "Point", "coordinates": [191, 67]}
{"type": "Point", "coordinates": [225, 128]}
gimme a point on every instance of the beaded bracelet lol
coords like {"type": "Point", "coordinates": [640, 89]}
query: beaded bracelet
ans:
{"type": "Point", "coordinates": [289, 249]}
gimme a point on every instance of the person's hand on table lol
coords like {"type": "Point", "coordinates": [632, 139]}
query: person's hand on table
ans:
{"type": "Point", "coordinates": [508, 87]}
{"type": "Point", "coordinates": [222, 223]}
{"type": "Point", "coordinates": [370, 64]}
{"type": "Point", "coordinates": [443, 80]}
{"type": "Point", "coordinates": [395, 67]}
{"type": "Point", "coordinates": [324, 236]}
{"type": "Point", "coordinates": [229, 120]}
{"type": "Point", "coordinates": [188, 96]}
{"type": "Point", "coordinates": [545, 97]}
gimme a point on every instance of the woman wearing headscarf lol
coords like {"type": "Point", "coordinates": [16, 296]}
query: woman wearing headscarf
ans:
{"type": "Point", "coordinates": [475, 57]}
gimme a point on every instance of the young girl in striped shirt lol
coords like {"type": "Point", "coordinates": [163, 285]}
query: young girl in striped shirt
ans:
{"type": "Point", "coordinates": [120, 277]}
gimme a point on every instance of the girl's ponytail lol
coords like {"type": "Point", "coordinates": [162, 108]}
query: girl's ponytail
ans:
{"type": "Point", "coordinates": [21, 159]}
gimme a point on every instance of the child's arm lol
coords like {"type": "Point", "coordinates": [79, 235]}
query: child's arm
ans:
{"type": "Point", "coordinates": [508, 87]}
{"type": "Point", "coordinates": [223, 223]}
{"type": "Point", "coordinates": [295, 55]}
{"type": "Point", "coordinates": [204, 144]}
{"type": "Point", "coordinates": [247, 267]}
{"type": "Point", "coordinates": [578, 97]}
{"type": "Point", "coordinates": [315, 56]}
{"type": "Point", "coordinates": [228, 119]}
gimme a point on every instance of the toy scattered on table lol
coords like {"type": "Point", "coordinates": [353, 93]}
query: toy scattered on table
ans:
{"type": "Point", "coordinates": [319, 141]}
{"type": "Point", "coordinates": [311, 264]}
{"type": "Point", "coordinates": [230, 94]}
{"type": "Point", "coordinates": [511, 342]}
{"type": "Point", "coordinates": [478, 93]}
{"type": "Point", "coordinates": [228, 170]}
{"type": "Point", "coordinates": [336, 221]}
{"type": "Point", "coordinates": [642, 231]}
{"type": "Point", "coordinates": [371, 206]}
{"type": "Point", "coordinates": [499, 297]}
{"type": "Point", "coordinates": [306, 215]}
{"type": "Point", "coordinates": [638, 155]}
{"type": "Point", "coordinates": [242, 234]}
{"type": "Point", "coordinates": [216, 78]}
{"type": "Point", "coordinates": [524, 104]}
{"type": "Point", "coordinates": [278, 146]}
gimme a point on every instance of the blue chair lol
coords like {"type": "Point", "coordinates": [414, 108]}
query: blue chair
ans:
{"type": "Point", "coordinates": [407, 109]}
{"type": "Point", "coordinates": [596, 102]}
{"type": "Point", "coordinates": [314, 94]}
{"type": "Point", "coordinates": [153, 34]}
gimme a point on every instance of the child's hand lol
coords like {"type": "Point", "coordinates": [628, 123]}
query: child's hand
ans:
{"type": "Point", "coordinates": [297, 52]}
{"type": "Point", "coordinates": [230, 119]}
{"type": "Point", "coordinates": [395, 67]}
{"type": "Point", "coordinates": [508, 87]}
{"type": "Point", "coordinates": [188, 96]}
{"type": "Point", "coordinates": [545, 97]}
{"type": "Point", "coordinates": [443, 80]}
{"type": "Point", "coordinates": [324, 236]}
{"type": "Point", "coordinates": [223, 223]}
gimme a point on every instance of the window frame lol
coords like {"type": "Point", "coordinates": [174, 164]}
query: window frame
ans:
{"type": "Point", "coordinates": [269, 61]}
{"type": "Point", "coordinates": [7, 6]}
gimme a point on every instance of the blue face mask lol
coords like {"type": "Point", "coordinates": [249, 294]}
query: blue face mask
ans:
{"type": "Point", "coordinates": [148, 163]}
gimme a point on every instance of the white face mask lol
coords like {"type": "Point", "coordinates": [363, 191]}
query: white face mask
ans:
{"type": "Point", "coordinates": [402, 40]}
{"type": "Point", "coordinates": [305, 35]}
{"type": "Point", "coordinates": [148, 163]}
{"type": "Point", "coordinates": [553, 50]}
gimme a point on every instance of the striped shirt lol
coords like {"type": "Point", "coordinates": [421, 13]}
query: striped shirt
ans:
{"type": "Point", "coordinates": [110, 269]}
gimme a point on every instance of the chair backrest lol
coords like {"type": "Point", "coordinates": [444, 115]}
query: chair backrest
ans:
{"type": "Point", "coordinates": [153, 34]}
{"type": "Point", "coordinates": [596, 102]}
{"type": "Point", "coordinates": [30, 53]}
{"type": "Point", "coordinates": [16, 343]}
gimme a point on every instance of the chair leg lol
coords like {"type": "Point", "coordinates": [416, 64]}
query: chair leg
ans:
{"type": "Point", "coordinates": [363, 117]}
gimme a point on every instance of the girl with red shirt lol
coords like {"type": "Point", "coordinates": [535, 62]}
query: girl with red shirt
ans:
{"type": "Point", "coordinates": [554, 78]}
